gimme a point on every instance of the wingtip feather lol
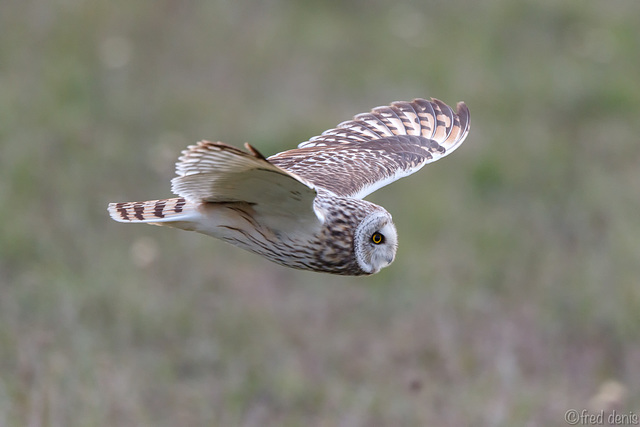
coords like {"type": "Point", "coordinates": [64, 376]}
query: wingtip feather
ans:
{"type": "Point", "coordinates": [464, 116]}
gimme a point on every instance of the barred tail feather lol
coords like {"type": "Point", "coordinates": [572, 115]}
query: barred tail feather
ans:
{"type": "Point", "coordinates": [154, 211]}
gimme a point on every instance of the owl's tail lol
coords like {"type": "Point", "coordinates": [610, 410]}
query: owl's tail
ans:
{"type": "Point", "coordinates": [158, 212]}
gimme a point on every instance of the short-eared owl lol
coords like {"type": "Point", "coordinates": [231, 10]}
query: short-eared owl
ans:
{"type": "Point", "coordinates": [304, 208]}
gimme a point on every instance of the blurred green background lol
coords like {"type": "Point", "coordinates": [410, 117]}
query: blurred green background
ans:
{"type": "Point", "coordinates": [515, 293]}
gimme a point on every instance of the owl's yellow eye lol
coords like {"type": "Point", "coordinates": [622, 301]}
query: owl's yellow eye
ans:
{"type": "Point", "coordinates": [377, 238]}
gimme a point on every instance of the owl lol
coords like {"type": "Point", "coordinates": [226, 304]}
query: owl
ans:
{"type": "Point", "coordinates": [304, 208]}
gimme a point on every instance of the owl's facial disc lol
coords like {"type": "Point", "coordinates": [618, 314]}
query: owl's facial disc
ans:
{"type": "Point", "coordinates": [376, 241]}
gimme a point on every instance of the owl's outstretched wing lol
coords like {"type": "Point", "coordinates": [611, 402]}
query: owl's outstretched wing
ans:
{"type": "Point", "coordinates": [219, 173]}
{"type": "Point", "coordinates": [374, 149]}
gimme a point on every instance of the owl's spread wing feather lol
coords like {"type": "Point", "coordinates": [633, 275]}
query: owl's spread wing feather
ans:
{"type": "Point", "coordinates": [374, 149]}
{"type": "Point", "coordinates": [219, 173]}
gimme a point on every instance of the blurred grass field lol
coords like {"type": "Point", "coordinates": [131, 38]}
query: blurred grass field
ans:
{"type": "Point", "coordinates": [515, 293]}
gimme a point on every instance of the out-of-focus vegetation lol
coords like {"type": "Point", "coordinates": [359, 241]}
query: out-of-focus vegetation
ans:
{"type": "Point", "coordinates": [515, 295]}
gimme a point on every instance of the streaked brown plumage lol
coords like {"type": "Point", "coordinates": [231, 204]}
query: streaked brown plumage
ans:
{"type": "Point", "coordinates": [303, 208]}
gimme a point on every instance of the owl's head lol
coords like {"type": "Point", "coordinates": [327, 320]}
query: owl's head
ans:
{"type": "Point", "coordinates": [375, 241]}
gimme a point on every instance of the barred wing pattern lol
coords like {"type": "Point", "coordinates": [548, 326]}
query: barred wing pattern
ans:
{"type": "Point", "coordinates": [374, 149]}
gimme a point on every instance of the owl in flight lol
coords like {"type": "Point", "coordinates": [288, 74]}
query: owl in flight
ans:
{"type": "Point", "coordinates": [304, 208]}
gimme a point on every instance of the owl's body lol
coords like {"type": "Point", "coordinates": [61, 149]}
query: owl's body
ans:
{"type": "Point", "coordinates": [303, 208]}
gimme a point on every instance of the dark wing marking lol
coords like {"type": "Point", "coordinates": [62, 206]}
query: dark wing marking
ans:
{"type": "Point", "coordinates": [374, 149]}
